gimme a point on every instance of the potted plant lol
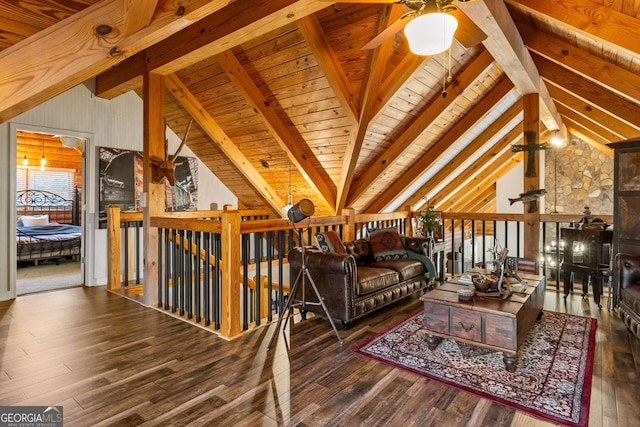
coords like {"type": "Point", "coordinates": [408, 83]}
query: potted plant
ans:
{"type": "Point", "coordinates": [428, 221]}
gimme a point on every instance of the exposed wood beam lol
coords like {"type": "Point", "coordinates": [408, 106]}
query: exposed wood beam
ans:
{"type": "Point", "coordinates": [590, 18]}
{"type": "Point", "coordinates": [123, 78]}
{"type": "Point", "coordinates": [588, 136]}
{"type": "Point", "coordinates": [474, 203]}
{"type": "Point", "coordinates": [444, 143]}
{"type": "Point", "coordinates": [478, 165]}
{"type": "Point", "coordinates": [375, 70]}
{"type": "Point", "coordinates": [220, 138]}
{"type": "Point", "coordinates": [287, 136]}
{"type": "Point", "coordinates": [329, 64]}
{"type": "Point", "coordinates": [588, 91]}
{"type": "Point", "coordinates": [531, 174]}
{"type": "Point", "coordinates": [596, 128]}
{"type": "Point", "coordinates": [617, 79]}
{"type": "Point", "coordinates": [233, 25]}
{"type": "Point", "coordinates": [506, 46]}
{"type": "Point", "coordinates": [488, 177]}
{"type": "Point", "coordinates": [450, 168]}
{"type": "Point", "coordinates": [33, 70]}
{"type": "Point", "coordinates": [593, 113]}
{"type": "Point", "coordinates": [138, 14]}
{"type": "Point", "coordinates": [419, 123]}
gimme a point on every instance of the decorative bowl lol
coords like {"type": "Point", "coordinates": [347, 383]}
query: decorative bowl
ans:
{"type": "Point", "coordinates": [465, 294]}
{"type": "Point", "coordinates": [482, 283]}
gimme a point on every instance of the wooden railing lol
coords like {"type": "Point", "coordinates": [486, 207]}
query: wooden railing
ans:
{"type": "Point", "coordinates": [227, 270]}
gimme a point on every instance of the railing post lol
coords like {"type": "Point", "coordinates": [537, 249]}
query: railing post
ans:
{"type": "Point", "coordinates": [349, 229]}
{"type": "Point", "coordinates": [410, 230]}
{"type": "Point", "coordinates": [113, 247]}
{"type": "Point", "coordinates": [230, 271]}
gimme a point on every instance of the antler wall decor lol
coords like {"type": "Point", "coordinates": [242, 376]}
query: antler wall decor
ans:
{"type": "Point", "coordinates": [166, 169]}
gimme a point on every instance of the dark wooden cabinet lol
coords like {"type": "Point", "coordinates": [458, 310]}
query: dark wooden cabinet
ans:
{"type": "Point", "coordinates": [626, 203]}
{"type": "Point", "coordinates": [586, 252]}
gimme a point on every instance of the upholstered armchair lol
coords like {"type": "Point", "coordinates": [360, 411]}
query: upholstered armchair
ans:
{"type": "Point", "coordinates": [628, 291]}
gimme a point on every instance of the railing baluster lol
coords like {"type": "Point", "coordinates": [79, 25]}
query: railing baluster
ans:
{"type": "Point", "coordinates": [207, 279]}
{"type": "Point", "coordinates": [198, 278]}
{"type": "Point", "coordinates": [189, 281]}
{"type": "Point", "coordinates": [258, 295]}
{"type": "Point", "coordinates": [126, 253]}
{"type": "Point", "coordinates": [138, 255]}
{"type": "Point", "coordinates": [160, 267]}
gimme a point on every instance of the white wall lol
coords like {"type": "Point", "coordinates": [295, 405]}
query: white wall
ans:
{"type": "Point", "coordinates": [113, 123]}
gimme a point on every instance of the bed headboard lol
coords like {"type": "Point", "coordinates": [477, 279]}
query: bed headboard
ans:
{"type": "Point", "coordinates": [39, 202]}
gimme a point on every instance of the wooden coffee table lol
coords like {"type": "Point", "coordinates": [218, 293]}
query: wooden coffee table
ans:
{"type": "Point", "coordinates": [500, 323]}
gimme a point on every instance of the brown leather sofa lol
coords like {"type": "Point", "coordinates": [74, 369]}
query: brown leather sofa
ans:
{"type": "Point", "coordinates": [354, 284]}
{"type": "Point", "coordinates": [629, 291]}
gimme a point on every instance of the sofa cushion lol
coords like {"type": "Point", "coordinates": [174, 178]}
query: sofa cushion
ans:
{"type": "Point", "coordinates": [386, 244]}
{"type": "Point", "coordinates": [360, 250]}
{"type": "Point", "coordinates": [406, 268]}
{"type": "Point", "coordinates": [631, 297]}
{"type": "Point", "coordinates": [329, 241]}
{"type": "Point", "coordinates": [372, 279]}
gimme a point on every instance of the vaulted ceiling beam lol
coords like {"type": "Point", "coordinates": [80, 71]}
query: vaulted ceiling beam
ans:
{"type": "Point", "coordinates": [445, 173]}
{"type": "Point", "coordinates": [220, 138]}
{"type": "Point", "coordinates": [587, 91]}
{"type": "Point", "coordinates": [488, 177]}
{"type": "Point", "coordinates": [477, 201]}
{"type": "Point", "coordinates": [506, 46]}
{"type": "Point", "coordinates": [589, 136]}
{"type": "Point", "coordinates": [477, 166]}
{"type": "Point", "coordinates": [593, 112]}
{"type": "Point", "coordinates": [398, 78]}
{"type": "Point", "coordinates": [287, 136]}
{"type": "Point", "coordinates": [138, 14]}
{"type": "Point", "coordinates": [617, 79]}
{"type": "Point", "coordinates": [418, 125]}
{"type": "Point", "coordinates": [230, 26]}
{"type": "Point", "coordinates": [37, 69]}
{"type": "Point", "coordinates": [594, 127]}
{"type": "Point", "coordinates": [590, 18]}
{"type": "Point", "coordinates": [437, 149]}
{"type": "Point", "coordinates": [373, 79]}
{"type": "Point", "coordinates": [329, 64]}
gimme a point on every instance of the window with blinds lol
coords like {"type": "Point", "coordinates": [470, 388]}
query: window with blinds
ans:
{"type": "Point", "coordinates": [58, 181]}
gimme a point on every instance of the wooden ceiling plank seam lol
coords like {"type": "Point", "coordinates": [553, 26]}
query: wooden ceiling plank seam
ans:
{"type": "Point", "coordinates": [438, 148]}
{"type": "Point", "coordinates": [481, 140]}
{"type": "Point", "coordinates": [418, 125]}
{"type": "Point", "coordinates": [595, 127]}
{"type": "Point", "coordinates": [219, 137]}
{"type": "Point", "coordinates": [616, 29]}
{"type": "Point", "coordinates": [287, 136]}
{"type": "Point", "coordinates": [593, 112]}
{"type": "Point", "coordinates": [474, 204]}
{"type": "Point", "coordinates": [330, 64]}
{"type": "Point", "coordinates": [583, 63]}
{"type": "Point", "coordinates": [507, 47]}
{"type": "Point", "coordinates": [588, 91]}
{"type": "Point", "coordinates": [477, 166]}
{"type": "Point", "coordinates": [374, 76]}
{"type": "Point", "coordinates": [33, 72]}
{"type": "Point", "coordinates": [489, 176]}
{"type": "Point", "coordinates": [403, 72]}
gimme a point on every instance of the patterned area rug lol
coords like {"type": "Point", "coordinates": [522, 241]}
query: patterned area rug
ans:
{"type": "Point", "coordinates": [552, 380]}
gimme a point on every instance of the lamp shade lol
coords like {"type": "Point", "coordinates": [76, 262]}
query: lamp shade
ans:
{"type": "Point", "coordinates": [431, 33]}
{"type": "Point", "coordinates": [301, 210]}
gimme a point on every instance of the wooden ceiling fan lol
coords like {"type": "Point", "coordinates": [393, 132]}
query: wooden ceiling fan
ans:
{"type": "Point", "coordinates": [467, 33]}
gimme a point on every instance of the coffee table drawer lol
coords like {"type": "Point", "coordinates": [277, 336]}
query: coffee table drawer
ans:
{"type": "Point", "coordinates": [436, 317]}
{"type": "Point", "coordinates": [466, 324]}
{"type": "Point", "coordinates": [501, 331]}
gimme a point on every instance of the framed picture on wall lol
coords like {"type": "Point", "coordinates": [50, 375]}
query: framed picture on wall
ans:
{"type": "Point", "coordinates": [120, 182]}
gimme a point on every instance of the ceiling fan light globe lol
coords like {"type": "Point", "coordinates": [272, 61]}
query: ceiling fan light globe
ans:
{"type": "Point", "coordinates": [431, 33]}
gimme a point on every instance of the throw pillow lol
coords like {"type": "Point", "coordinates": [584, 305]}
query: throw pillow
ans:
{"type": "Point", "coordinates": [386, 244]}
{"type": "Point", "coordinates": [29, 221]}
{"type": "Point", "coordinates": [329, 241]}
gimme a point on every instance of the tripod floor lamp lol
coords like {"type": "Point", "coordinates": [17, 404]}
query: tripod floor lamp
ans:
{"type": "Point", "coordinates": [299, 212]}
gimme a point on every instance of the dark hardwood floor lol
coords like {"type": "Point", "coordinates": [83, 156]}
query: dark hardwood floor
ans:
{"type": "Point", "coordinates": [111, 361]}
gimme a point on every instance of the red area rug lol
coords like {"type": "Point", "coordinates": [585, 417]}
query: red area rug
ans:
{"type": "Point", "coordinates": [552, 380]}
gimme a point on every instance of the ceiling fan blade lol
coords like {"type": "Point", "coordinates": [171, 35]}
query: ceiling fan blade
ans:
{"type": "Point", "coordinates": [468, 33]}
{"type": "Point", "coordinates": [390, 31]}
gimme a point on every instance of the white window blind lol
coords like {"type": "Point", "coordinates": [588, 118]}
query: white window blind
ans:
{"type": "Point", "coordinates": [58, 181]}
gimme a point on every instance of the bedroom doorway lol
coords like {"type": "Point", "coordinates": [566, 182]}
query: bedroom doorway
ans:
{"type": "Point", "coordinates": [49, 220]}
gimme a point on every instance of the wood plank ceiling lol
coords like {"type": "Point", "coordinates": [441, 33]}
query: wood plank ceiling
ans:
{"type": "Point", "coordinates": [284, 97]}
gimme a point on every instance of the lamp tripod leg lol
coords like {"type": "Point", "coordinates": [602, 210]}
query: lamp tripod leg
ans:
{"type": "Point", "coordinates": [287, 311]}
{"type": "Point", "coordinates": [321, 300]}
